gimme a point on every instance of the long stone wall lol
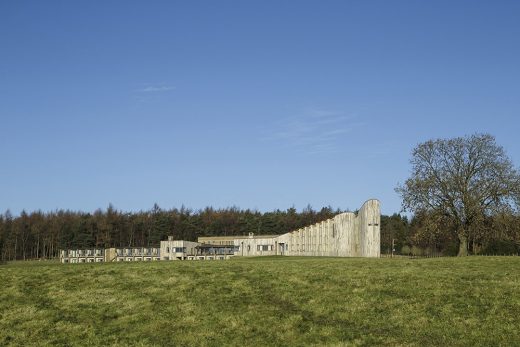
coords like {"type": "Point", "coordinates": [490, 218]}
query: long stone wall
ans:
{"type": "Point", "coordinates": [346, 235]}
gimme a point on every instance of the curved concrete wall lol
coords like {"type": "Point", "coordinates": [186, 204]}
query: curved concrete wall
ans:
{"type": "Point", "coordinates": [345, 235]}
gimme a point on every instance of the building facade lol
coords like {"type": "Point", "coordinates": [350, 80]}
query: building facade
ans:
{"type": "Point", "coordinates": [99, 255]}
{"type": "Point", "coordinates": [346, 235]}
{"type": "Point", "coordinates": [94, 255]}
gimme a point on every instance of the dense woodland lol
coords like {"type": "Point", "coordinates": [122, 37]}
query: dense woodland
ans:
{"type": "Point", "coordinates": [426, 235]}
{"type": "Point", "coordinates": [41, 235]}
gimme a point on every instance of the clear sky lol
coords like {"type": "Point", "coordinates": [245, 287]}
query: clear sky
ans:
{"type": "Point", "coordinates": [257, 104]}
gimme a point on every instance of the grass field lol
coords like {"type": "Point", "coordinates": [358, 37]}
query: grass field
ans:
{"type": "Point", "coordinates": [263, 302]}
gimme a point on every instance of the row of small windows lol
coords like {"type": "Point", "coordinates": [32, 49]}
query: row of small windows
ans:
{"type": "Point", "coordinates": [176, 249]}
{"type": "Point", "coordinates": [137, 259]}
{"type": "Point", "coordinates": [137, 251]}
{"type": "Point", "coordinates": [223, 243]}
{"type": "Point", "coordinates": [88, 253]}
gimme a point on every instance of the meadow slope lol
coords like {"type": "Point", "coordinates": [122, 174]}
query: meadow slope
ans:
{"type": "Point", "coordinates": [271, 301]}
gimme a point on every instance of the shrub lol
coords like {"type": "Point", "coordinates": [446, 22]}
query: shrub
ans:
{"type": "Point", "coordinates": [501, 247]}
{"type": "Point", "coordinates": [405, 250]}
{"type": "Point", "coordinates": [417, 251]}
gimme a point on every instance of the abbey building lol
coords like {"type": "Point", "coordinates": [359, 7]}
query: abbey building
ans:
{"type": "Point", "coordinates": [346, 235]}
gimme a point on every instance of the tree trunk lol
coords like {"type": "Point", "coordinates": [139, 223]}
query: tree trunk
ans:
{"type": "Point", "coordinates": [463, 246]}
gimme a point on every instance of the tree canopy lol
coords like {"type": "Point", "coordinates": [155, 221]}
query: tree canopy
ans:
{"type": "Point", "coordinates": [461, 182]}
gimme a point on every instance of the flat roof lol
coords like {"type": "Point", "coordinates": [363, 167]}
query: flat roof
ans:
{"type": "Point", "coordinates": [237, 237]}
{"type": "Point", "coordinates": [207, 245]}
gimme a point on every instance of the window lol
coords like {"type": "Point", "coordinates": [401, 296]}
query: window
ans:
{"type": "Point", "coordinates": [167, 249]}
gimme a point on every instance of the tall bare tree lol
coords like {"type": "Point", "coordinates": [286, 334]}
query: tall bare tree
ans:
{"type": "Point", "coordinates": [465, 179]}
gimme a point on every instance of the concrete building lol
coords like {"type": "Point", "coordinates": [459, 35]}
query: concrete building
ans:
{"type": "Point", "coordinates": [346, 235]}
{"type": "Point", "coordinates": [98, 255]}
{"type": "Point", "coordinates": [218, 240]}
{"type": "Point", "coordinates": [95, 255]}
{"type": "Point", "coordinates": [132, 254]}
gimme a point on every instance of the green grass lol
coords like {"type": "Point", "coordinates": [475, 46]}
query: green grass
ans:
{"type": "Point", "coordinates": [263, 302]}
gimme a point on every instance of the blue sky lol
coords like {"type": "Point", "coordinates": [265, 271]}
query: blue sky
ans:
{"type": "Point", "coordinates": [257, 104]}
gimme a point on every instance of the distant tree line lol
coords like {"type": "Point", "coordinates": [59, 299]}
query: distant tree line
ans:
{"type": "Point", "coordinates": [430, 235]}
{"type": "Point", "coordinates": [42, 235]}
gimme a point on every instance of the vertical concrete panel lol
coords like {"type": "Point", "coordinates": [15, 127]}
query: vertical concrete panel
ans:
{"type": "Point", "coordinates": [327, 237]}
{"type": "Point", "coordinates": [335, 237]}
{"type": "Point", "coordinates": [320, 239]}
{"type": "Point", "coordinates": [342, 237]}
{"type": "Point", "coordinates": [350, 233]}
{"type": "Point", "coordinates": [370, 220]}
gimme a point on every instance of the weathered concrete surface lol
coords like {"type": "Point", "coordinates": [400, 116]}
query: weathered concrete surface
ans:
{"type": "Point", "coordinates": [254, 246]}
{"type": "Point", "coordinates": [369, 222]}
{"type": "Point", "coordinates": [177, 249]}
{"type": "Point", "coordinates": [345, 235]}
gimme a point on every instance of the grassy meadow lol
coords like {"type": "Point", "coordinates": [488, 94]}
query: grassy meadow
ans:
{"type": "Point", "coordinates": [275, 301]}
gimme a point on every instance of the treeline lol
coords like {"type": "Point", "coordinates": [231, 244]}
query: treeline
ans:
{"type": "Point", "coordinates": [430, 235]}
{"type": "Point", "coordinates": [41, 235]}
